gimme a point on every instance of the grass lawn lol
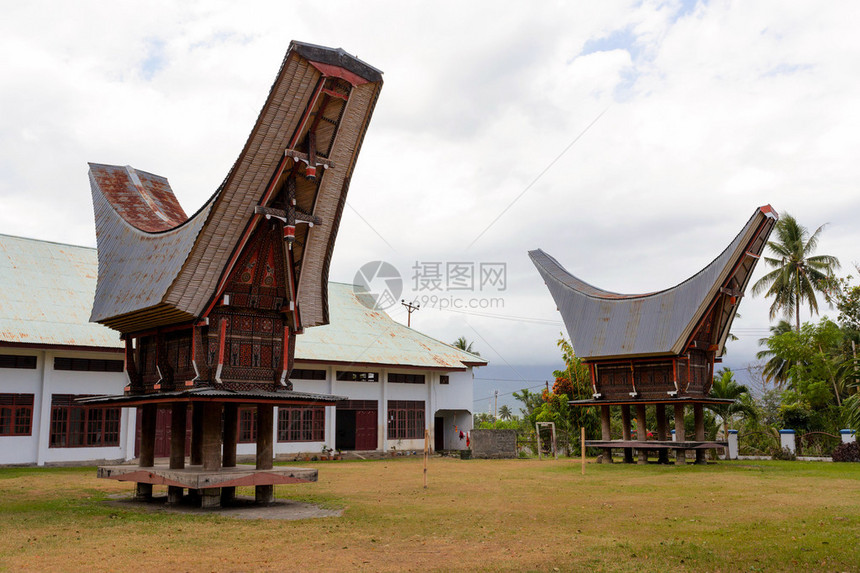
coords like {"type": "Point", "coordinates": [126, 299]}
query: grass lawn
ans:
{"type": "Point", "coordinates": [476, 515]}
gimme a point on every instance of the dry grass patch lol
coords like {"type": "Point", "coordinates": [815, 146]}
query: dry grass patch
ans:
{"type": "Point", "coordinates": [477, 515]}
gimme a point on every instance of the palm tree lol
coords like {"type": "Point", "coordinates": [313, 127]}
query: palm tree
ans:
{"type": "Point", "coordinates": [797, 274]}
{"type": "Point", "coordinates": [505, 412]}
{"type": "Point", "coordinates": [725, 386]}
{"type": "Point", "coordinates": [465, 346]}
{"type": "Point", "coordinates": [776, 368]}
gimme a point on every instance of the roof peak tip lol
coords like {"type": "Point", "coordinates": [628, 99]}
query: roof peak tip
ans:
{"type": "Point", "coordinates": [769, 211]}
{"type": "Point", "coordinates": [338, 57]}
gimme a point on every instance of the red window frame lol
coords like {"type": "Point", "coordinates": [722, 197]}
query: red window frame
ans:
{"type": "Point", "coordinates": [301, 424]}
{"type": "Point", "coordinates": [16, 414]}
{"type": "Point", "coordinates": [76, 426]}
{"type": "Point", "coordinates": [247, 433]}
{"type": "Point", "coordinates": [405, 419]}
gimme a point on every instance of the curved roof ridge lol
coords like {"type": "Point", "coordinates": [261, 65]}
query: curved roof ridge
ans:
{"type": "Point", "coordinates": [603, 324]}
{"type": "Point", "coordinates": [594, 292]}
{"type": "Point", "coordinates": [158, 266]}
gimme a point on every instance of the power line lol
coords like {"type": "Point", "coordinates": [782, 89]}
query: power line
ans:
{"type": "Point", "coordinates": [510, 379]}
{"type": "Point", "coordinates": [541, 385]}
{"type": "Point", "coordinates": [504, 316]}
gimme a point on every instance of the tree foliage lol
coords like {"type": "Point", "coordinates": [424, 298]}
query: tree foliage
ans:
{"type": "Point", "coordinates": [725, 386]}
{"type": "Point", "coordinates": [465, 346]}
{"type": "Point", "coordinates": [797, 273]}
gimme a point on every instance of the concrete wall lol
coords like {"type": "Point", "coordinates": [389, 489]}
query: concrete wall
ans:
{"type": "Point", "coordinates": [456, 395]}
{"type": "Point", "coordinates": [43, 382]}
{"type": "Point", "coordinates": [452, 402]}
{"type": "Point", "coordinates": [492, 444]}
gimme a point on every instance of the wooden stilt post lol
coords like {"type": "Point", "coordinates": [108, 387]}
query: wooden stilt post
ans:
{"type": "Point", "coordinates": [662, 432]}
{"type": "Point", "coordinates": [265, 451]}
{"type": "Point", "coordinates": [642, 433]}
{"type": "Point", "coordinates": [680, 455]}
{"type": "Point", "coordinates": [625, 433]}
{"type": "Point", "coordinates": [148, 416]}
{"type": "Point", "coordinates": [699, 421]}
{"type": "Point", "coordinates": [426, 454]}
{"type": "Point", "coordinates": [582, 447]}
{"type": "Point", "coordinates": [211, 450]}
{"type": "Point", "coordinates": [605, 433]}
{"type": "Point", "coordinates": [197, 434]}
{"type": "Point", "coordinates": [231, 435]}
{"type": "Point", "coordinates": [178, 419]}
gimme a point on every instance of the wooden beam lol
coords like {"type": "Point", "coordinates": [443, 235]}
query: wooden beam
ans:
{"type": "Point", "coordinates": [303, 157]}
{"type": "Point", "coordinates": [625, 432]}
{"type": "Point", "coordinates": [265, 451]}
{"type": "Point", "coordinates": [680, 455]}
{"type": "Point", "coordinates": [606, 432]}
{"type": "Point", "coordinates": [662, 431]}
{"type": "Point", "coordinates": [642, 432]}
{"type": "Point", "coordinates": [699, 417]}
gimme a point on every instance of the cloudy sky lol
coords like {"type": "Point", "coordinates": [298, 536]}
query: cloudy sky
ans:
{"type": "Point", "coordinates": [630, 140]}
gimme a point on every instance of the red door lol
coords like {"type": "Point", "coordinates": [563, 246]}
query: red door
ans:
{"type": "Point", "coordinates": [365, 429]}
{"type": "Point", "coordinates": [162, 433]}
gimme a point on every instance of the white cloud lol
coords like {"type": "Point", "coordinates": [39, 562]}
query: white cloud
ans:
{"type": "Point", "coordinates": [711, 109]}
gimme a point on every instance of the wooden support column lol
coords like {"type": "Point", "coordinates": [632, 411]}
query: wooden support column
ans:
{"type": "Point", "coordinates": [231, 434]}
{"type": "Point", "coordinates": [642, 433]}
{"type": "Point", "coordinates": [625, 433]}
{"type": "Point", "coordinates": [662, 432]}
{"type": "Point", "coordinates": [178, 420]}
{"type": "Point", "coordinates": [265, 451]}
{"type": "Point", "coordinates": [699, 421]}
{"type": "Point", "coordinates": [605, 433]}
{"type": "Point", "coordinates": [211, 438]}
{"type": "Point", "coordinates": [148, 416]}
{"type": "Point", "coordinates": [197, 434]}
{"type": "Point", "coordinates": [680, 455]}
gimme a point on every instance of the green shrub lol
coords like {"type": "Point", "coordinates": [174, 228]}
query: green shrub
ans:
{"type": "Point", "coordinates": [783, 454]}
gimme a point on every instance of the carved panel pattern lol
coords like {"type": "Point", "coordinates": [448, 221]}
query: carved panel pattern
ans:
{"type": "Point", "coordinates": [254, 334]}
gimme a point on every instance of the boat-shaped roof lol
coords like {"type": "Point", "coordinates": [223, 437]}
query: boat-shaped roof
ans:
{"type": "Point", "coordinates": [606, 325]}
{"type": "Point", "coordinates": [159, 267]}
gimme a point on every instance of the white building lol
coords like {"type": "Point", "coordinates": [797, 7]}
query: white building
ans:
{"type": "Point", "coordinates": [396, 381]}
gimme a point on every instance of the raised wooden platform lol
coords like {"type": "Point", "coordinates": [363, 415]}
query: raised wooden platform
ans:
{"type": "Point", "coordinates": [655, 444]}
{"type": "Point", "coordinates": [195, 477]}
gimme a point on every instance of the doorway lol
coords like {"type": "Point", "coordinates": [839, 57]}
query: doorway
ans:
{"type": "Point", "coordinates": [438, 434]}
{"type": "Point", "coordinates": [356, 425]}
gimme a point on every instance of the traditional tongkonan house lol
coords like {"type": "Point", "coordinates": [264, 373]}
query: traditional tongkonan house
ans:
{"type": "Point", "coordinates": [209, 306]}
{"type": "Point", "coordinates": [657, 348]}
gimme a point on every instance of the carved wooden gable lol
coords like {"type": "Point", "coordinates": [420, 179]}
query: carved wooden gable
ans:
{"type": "Point", "coordinates": [248, 334]}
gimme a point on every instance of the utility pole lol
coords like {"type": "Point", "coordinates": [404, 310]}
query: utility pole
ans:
{"type": "Point", "coordinates": [410, 308]}
{"type": "Point", "coordinates": [496, 408]}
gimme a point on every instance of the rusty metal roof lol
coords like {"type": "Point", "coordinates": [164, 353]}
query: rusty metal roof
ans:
{"type": "Point", "coordinates": [360, 335]}
{"type": "Point", "coordinates": [46, 293]}
{"type": "Point", "coordinates": [142, 199]}
{"type": "Point", "coordinates": [603, 324]}
{"type": "Point", "coordinates": [155, 269]}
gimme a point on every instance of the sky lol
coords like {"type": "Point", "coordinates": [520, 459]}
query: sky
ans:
{"type": "Point", "coordinates": [629, 140]}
